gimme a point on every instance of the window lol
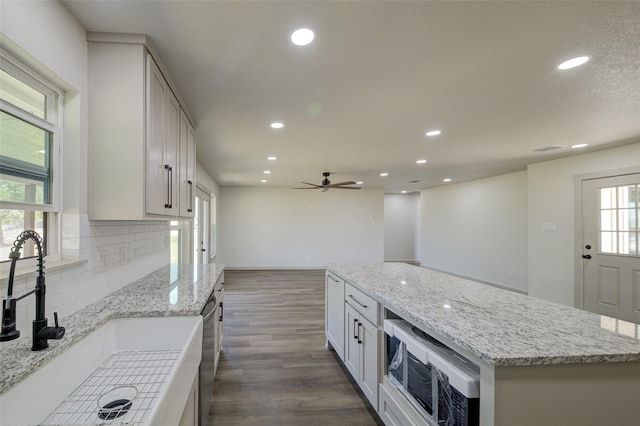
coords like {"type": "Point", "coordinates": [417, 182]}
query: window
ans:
{"type": "Point", "coordinates": [619, 208]}
{"type": "Point", "coordinates": [29, 143]}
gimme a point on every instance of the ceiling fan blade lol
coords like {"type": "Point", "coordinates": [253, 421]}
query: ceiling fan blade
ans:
{"type": "Point", "coordinates": [347, 187]}
{"type": "Point", "coordinates": [312, 184]}
{"type": "Point", "coordinates": [333, 185]}
{"type": "Point", "coordinates": [309, 187]}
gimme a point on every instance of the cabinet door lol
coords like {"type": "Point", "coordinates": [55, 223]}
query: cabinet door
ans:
{"type": "Point", "coordinates": [369, 336]}
{"type": "Point", "coordinates": [220, 324]}
{"type": "Point", "coordinates": [186, 182]}
{"type": "Point", "coordinates": [351, 345]}
{"type": "Point", "coordinates": [157, 175]}
{"type": "Point", "coordinates": [172, 127]}
{"type": "Point", "coordinates": [335, 313]}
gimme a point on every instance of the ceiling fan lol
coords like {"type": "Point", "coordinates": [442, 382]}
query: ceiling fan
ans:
{"type": "Point", "coordinates": [327, 185]}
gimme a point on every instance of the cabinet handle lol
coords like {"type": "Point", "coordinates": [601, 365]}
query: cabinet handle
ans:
{"type": "Point", "coordinates": [221, 311]}
{"type": "Point", "coordinates": [333, 279]}
{"type": "Point", "coordinates": [169, 170]}
{"type": "Point", "coordinates": [357, 301]}
{"type": "Point", "coordinates": [359, 341]}
{"type": "Point", "coordinates": [355, 333]}
{"type": "Point", "coordinates": [190, 183]}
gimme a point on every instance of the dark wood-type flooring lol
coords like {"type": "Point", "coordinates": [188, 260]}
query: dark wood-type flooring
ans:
{"type": "Point", "coordinates": [275, 369]}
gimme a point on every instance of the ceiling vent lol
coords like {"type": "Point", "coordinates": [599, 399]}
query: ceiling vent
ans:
{"type": "Point", "coordinates": [548, 148]}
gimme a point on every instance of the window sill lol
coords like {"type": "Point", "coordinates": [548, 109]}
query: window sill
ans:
{"type": "Point", "coordinates": [28, 268]}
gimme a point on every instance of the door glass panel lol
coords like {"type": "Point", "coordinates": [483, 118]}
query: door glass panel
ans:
{"type": "Point", "coordinates": [607, 198]}
{"type": "Point", "coordinates": [607, 220]}
{"type": "Point", "coordinates": [626, 196]}
{"type": "Point", "coordinates": [626, 219]}
{"type": "Point", "coordinates": [619, 207]}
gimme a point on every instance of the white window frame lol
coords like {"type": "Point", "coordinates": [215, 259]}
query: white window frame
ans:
{"type": "Point", "coordinates": [53, 124]}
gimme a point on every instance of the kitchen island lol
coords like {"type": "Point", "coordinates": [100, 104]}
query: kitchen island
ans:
{"type": "Point", "coordinates": [540, 363]}
{"type": "Point", "coordinates": [173, 290]}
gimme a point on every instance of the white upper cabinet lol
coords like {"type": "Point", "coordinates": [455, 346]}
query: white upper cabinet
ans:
{"type": "Point", "coordinates": [141, 141]}
{"type": "Point", "coordinates": [187, 161]}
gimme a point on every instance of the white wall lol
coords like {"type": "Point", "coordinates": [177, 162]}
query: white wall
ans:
{"type": "Point", "coordinates": [478, 229]}
{"type": "Point", "coordinates": [551, 195]}
{"type": "Point", "coordinates": [47, 36]}
{"type": "Point", "coordinates": [402, 227]}
{"type": "Point", "coordinates": [285, 228]}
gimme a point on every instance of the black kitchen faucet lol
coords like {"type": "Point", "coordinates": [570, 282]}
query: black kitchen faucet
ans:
{"type": "Point", "coordinates": [41, 332]}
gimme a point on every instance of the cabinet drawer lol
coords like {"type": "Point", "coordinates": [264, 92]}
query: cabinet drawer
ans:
{"type": "Point", "coordinates": [363, 303]}
{"type": "Point", "coordinates": [395, 410]}
{"type": "Point", "coordinates": [390, 411]}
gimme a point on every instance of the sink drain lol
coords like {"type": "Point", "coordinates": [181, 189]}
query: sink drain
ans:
{"type": "Point", "coordinates": [115, 409]}
{"type": "Point", "coordinates": [116, 402]}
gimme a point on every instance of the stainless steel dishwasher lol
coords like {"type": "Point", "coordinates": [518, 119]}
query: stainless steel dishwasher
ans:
{"type": "Point", "coordinates": [207, 365]}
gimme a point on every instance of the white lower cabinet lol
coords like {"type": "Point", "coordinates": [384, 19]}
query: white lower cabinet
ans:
{"type": "Point", "coordinates": [334, 313]}
{"type": "Point", "coordinates": [190, 413]}
{"type": "Point", "coordinates": [219, 289]}
{"type": "Point", "coordinates": [362, 339]}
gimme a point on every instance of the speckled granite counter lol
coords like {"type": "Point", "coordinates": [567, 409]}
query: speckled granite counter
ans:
{"type": "Point", "coordinates": [175, 290]}
{"type": "Point", "coordinates": [498, 326]}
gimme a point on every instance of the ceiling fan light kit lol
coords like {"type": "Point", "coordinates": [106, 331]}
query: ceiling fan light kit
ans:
{"type": "Point", "coordinates": [327, 185]}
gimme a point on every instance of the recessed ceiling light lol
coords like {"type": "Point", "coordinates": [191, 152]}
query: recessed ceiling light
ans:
{"type": "Point", "coordinates": [421, 161]}
{"type": "Point", "coordinates": [384, 174]}
{"type": "Point", "coordinates": [267, 172]}
{"type": "Point", "coordinates": [263, 181]}
{"type": "Point", "coordinates": [433, 132]}
{"type": "Point", "coordinates": [572, 63]}
{"type": "Point", "coordinates": [446, 180]}
{"type": "Point", "coordinates": [277, 125]}
{"type": "Point", "coordinates": [272, 158]}
{"type": "Point", "coordinates": [302, 36]}
{"type": "Point", "coordinates": [359, 183]}
{"type": "Point", "coordinates": [580, 145]}
{"type": "Point", "coordinates": [403, 192]}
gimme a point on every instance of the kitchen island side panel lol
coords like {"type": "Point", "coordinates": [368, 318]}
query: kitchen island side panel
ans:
{"type": "Point", "coordinates": [574, 394]}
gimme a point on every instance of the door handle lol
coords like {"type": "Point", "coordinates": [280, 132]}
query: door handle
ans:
{"type": "Point", "coordinates": [586, 256]}
{"type": "Point", "coordinates": [355, 333]}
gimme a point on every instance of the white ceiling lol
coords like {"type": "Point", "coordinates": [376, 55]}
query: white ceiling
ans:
{"type": "Point", "coordinates": [359, 100]}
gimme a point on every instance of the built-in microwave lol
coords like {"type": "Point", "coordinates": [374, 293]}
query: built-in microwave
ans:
{"type": "Point", "coordinates": [443, 386]}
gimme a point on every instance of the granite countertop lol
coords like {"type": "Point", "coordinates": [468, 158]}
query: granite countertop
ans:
{"type": "Point", "coordinates": [498, 326]}
{"type": "Point", "coordinates": [173, 290]}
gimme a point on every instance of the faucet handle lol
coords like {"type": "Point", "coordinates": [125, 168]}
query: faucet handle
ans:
{"type": "Point", "coordinates": [55, 319]}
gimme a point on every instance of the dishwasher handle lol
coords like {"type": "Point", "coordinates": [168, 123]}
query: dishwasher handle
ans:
{"type": "Point", "coordinates": [209, 309]}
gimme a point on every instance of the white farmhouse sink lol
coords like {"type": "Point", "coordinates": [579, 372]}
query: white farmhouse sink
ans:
{"type": "Point", "coordinates": [34, 398]}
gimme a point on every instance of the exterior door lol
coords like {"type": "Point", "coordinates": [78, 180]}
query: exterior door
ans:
{"type": "Point", "coordinates": [611, 249]}
{"type": "Point", "coordinates": [201, 223]}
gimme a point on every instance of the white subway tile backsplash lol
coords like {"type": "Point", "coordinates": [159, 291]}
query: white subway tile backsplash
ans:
{"type": "Point", "coordinates": [117, 254]}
